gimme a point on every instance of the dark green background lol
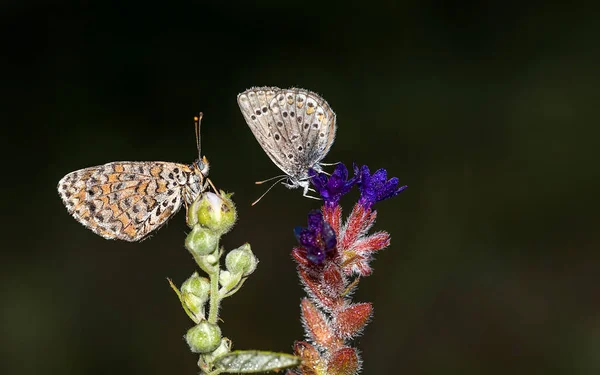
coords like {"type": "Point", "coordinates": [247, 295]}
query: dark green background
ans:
{"type": "Point", "coordinates": [488, 111]}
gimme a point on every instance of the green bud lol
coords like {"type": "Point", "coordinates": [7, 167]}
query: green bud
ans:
{"type": "Point", "coordinates": [229, 280]}
{"type": "Point", "coordinates": [224, 348]}
{"type": "Point", "coordinates": [201, 241]}
{"type": "Point", "coordinates": [214, 212]}
{"type": "Point", "coordinates": [208, 263]}
{"type": "Point", "coordinates": [206, 361]}
{"type": "Point", "coordinates": [203, 338]}
{"type": "Point", "coordinates": [194, 294]}
{"type": "Point", "coordinates": [241, 260]}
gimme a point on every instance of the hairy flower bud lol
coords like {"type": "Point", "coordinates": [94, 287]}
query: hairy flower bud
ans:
{"type": "Point", "coordinates": [214, 212]}
{"type": "Point", "coordinates": [241, 260]}
{"type": "Point", "coordinates": [201, 241]}
{"type": "Point", "coordinates": [204, 337]}
{"type": "Point", "coordinates": [195, 293]}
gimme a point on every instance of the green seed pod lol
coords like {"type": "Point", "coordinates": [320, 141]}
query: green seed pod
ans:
{"type": "Point", "coordinates": [214, 212]}
{"type": "Point", "coordinates": [229, 280]}
{"type": "Point", "coordinates": [224, 348]}
{"type": "Point", "coordinates": [203, 338]}
{"type": "Point", "coordinates": [201, 241]}
{"type": "Point", "coordinates": [194, 294]}
{"type": "Point", "coordinates": [241, 260]}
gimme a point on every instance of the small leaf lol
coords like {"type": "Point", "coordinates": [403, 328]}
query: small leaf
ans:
{"type": "Point", "coordinates": [344, 362]}
{"type": "Point", "coordinates": [311, 359]}
{"type": "Point", "coordinates": [353, 319]}
{"type": "Point", "coordinates": [333, 281]}
{"type": "Point", "coordinates": [317, 325]}
{"type": "Point", "coordinates": [249, 361]}
{"type": "Point", "coordinates": [187, 311]}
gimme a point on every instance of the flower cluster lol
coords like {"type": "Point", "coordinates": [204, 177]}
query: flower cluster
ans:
{"type": "Point", "coordinates": [331, 258]}
{"type": "Point", "coordinates": [318, 239]}
{"type": "Point", "coordinates": [373, 187]}
{"type": "Point", "coordinates": [326, 237]}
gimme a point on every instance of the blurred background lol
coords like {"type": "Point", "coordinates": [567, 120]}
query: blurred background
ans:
{"type": "Point", "coordinates": [487, 111]}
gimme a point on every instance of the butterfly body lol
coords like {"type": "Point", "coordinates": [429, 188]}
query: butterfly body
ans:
{"type": "Point", "coordinates": [295, 127]}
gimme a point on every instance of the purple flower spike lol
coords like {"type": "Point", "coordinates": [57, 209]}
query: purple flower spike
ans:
{"type": "Point", "coordinates": [375, 187]}
{"type": "Point", "coordinates": [332, 188]}
{"type": "Point", "coordinates": [318, 239]}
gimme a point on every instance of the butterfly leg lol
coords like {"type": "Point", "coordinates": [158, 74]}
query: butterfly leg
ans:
{"type": "Point", "coordinates": [311, 197]}
{"type": "Point", "coordinates": [306, 190]}
{"type": "Point", "coordinates": [186, 212]}
{"type": "Point", "coordinates": [208, 181]}
{"type": "Point", "coordinates": [304, 183]}
{"type": "Point", "coordinates": [327, 165]}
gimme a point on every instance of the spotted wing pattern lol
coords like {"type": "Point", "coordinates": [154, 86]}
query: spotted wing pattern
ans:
{"type": "Point", "coordinates": [295, 127]}
{"type": "Point", "coordinates": [128, 200]}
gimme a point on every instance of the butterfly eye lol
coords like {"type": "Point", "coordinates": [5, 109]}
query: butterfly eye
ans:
{"type": "Point", "coordinates": [203, 166]}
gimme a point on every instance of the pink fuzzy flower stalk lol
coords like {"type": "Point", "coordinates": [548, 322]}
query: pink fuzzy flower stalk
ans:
{"type": "Point", "coordinates": [331, 258]}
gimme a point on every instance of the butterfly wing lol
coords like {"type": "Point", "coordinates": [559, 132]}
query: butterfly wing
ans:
{"type": "Point", "coordinates": [294, 126]}
{"type": "Point", "coordinates": [312, 123]}
{"type": "Point", "coordinates": [124, 200]}
{"type": "Point", "coordinates": [254, 104]}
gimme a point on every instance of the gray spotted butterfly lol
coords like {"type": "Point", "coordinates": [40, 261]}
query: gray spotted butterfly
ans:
{"type": "Point", "coordinates": [295, 127]}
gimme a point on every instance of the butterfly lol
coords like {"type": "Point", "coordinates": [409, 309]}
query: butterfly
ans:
{"type": "Point", "coordinates": [295, 127]}
{"type": "Point", "coordinates": [128, 200]}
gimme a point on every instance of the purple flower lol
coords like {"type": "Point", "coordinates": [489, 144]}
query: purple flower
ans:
{"type": "Point", "coordinates": [332, 188]}
{"type": "Point", "coordinates": [375, 187]}
{"type": "Point", "coordinates": [318, 239]}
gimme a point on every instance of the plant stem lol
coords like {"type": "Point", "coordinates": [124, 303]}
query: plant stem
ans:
{"type": "Point", "coordinates": [215, 299]}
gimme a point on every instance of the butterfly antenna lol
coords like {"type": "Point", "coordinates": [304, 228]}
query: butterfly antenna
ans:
{"type": "Point", "coordinates": [197, 122]}
{"type": "Point", "coordinates": [270, 179]}
{"type": "Point", "coordinates": [269, 189]}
